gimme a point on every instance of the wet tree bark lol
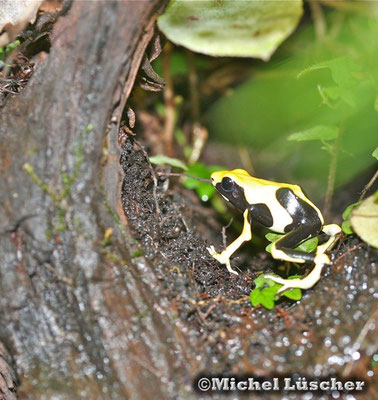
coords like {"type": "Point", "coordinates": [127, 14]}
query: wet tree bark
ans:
{"type": "Point", "coordinates": [70, 305]}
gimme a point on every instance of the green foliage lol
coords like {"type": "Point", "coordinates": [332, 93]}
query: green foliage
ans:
{"type": "Point", "coordinates": [346, 225]}
{"type": "Point", "coordinates": [308, 245]}
{"type": "Point", "coordinates": [375, 153]}
{"type": "Point", "coordinates": [266, 290]}
{"type": "Point", "coordinates": [137, 253]}
{"type": "Point", "coordinates": [204, 190]}
{"type": "Point", "coordinates": [337, 89]}
{"type": "Point", "coordinates": [230, 28]}
{"type": "Point", "coordinates": [162, 159]}
{"type": "Point", "coordinates": [8, 49]}
{"type": "Point", "coordinates": [319, 132]}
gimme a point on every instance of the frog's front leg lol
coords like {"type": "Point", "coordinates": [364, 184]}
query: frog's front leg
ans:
{"type": "Point", "coordinates": [224, 256]}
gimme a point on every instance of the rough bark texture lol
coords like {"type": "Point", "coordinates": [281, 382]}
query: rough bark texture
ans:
{"type": "Point", "coordinates": [69, 305]}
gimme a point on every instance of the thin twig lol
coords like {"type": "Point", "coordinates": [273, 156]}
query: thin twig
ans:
{"type": "Point", "coordinates": [348, 252]}
{"type": "Point", "coordinates": [357, 344]}
{"type": "Point", "coordinates": [369, 185]}
{"type": "Point", "coordinates": [318, 18]}
{"type": "Point", "coordinates": [193, 86]}
{"type": "Point", "coordinates": [224, 236]}
{"type": "Point", "coordinates": [332, 173]}
{"type": "Point", "coordinates": [169, 100]}
{"type": "Point", "coordinates": [182, 174]}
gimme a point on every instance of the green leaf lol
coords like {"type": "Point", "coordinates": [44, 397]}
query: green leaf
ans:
{"type": "Point", "coordinates": [375, 153]}
{"type": "Point", "coordinates": [319, 132]}
{"type": "Point", "coordinates": [8, 49]}
{"type": "Point", "coordinates": [342, 69]}
{"type": "Point", "coordinates": [293, 294]}
{"type": "Point", "coordinates": [347, 227]}
{"type": "Point", "coordinates": [162, 159]}
{"type": "Point", "coordinates": [272, 237]}
{"type": "Point", "coordinates": [348, 211]}
{"type": "Point", "coordinates": [230, 28]}
{"type": "Point", "coordinates": [308, 245]}
{"type": "Point", "coordinates": [364, 221]}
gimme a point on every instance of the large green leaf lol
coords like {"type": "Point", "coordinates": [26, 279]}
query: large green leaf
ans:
{"type": "Point", "coordinates": [234, 28]}
{"type": "Point", "coordinates": [364, 220]}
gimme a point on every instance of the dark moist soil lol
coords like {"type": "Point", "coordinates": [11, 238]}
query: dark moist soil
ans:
{"type": "Point", "coordinates": [330, 330]}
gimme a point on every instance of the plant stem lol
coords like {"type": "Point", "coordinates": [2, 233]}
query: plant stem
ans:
{"type": "Point", "coordinates": [169, 100]}
{"type": "Point", "coordinates": [332, 173]}
{"type": "Point", "coordinates": [368, 185]}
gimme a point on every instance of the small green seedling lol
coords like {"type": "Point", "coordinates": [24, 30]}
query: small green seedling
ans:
{"type": "Point", "coordinates": [265, 292]}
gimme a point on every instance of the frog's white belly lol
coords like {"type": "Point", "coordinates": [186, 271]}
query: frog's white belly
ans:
{"type": "Point", "coordinates": [267, 195]}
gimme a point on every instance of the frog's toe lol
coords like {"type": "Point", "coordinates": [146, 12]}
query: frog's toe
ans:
{"type": "Point", "coordinates": [229, 268]}
{"type": "Point", "coordinates": [211, 250]}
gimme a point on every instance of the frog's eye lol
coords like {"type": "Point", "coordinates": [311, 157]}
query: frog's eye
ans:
{"type": "Point", "coordinates": [227, 184]}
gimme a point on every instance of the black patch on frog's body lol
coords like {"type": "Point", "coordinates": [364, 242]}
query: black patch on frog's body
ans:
{"type": "Point", "coordinates": [261, 213]}
{"type": "Point", "coordinates": [257, 212]}
{"type": "Point", "coordinates": [301, 212]}
{"type": "Point", "coordinates": [236, 197]}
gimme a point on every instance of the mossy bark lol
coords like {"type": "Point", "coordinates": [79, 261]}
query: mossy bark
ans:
{"type": "Point", "coordinates": [70, 301]}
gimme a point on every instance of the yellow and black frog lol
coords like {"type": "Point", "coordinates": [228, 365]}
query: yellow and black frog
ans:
{"type": "Point", "coordinates": [283, 208]}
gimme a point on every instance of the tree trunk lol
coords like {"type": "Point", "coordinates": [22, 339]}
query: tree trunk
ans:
{"type": "Point", "coordinates": [70, 305]}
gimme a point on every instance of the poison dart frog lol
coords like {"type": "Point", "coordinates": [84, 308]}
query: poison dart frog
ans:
{"type": "Point", "coordinates": [283, 208]}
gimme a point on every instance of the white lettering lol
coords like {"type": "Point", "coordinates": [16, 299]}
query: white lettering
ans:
{"type": "Point", "coordinates": [220, 384]}
{"type": "Point", "coordinates": [287, 384]}
{"type": "Point", "coordinates": [324, 385]}
{"type": "Point", "coordinates": [314, 385]}
{"type": "Point", "coordinates": [360, 385]}
{"type": "Point", "coordinates": [266, 385]}
{"type": "Point", "coordinates": [349, 385]}
{"type": "Point", "coordinates": [253, 385]}
{"type": "Point", "coordinates": [336, 385]}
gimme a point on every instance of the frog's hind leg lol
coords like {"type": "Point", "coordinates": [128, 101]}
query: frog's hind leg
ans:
{"type": "Point", "coordinates": [283, 249]}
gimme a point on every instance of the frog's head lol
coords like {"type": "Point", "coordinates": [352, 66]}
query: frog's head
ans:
{"type": "Point", "coordinates": [230, 184]}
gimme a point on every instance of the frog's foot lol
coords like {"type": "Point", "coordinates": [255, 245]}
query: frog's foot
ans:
{"type": "Point", "coordinates": [308, 281]}
{"type": "Point", "coordinates": [223, 258]}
